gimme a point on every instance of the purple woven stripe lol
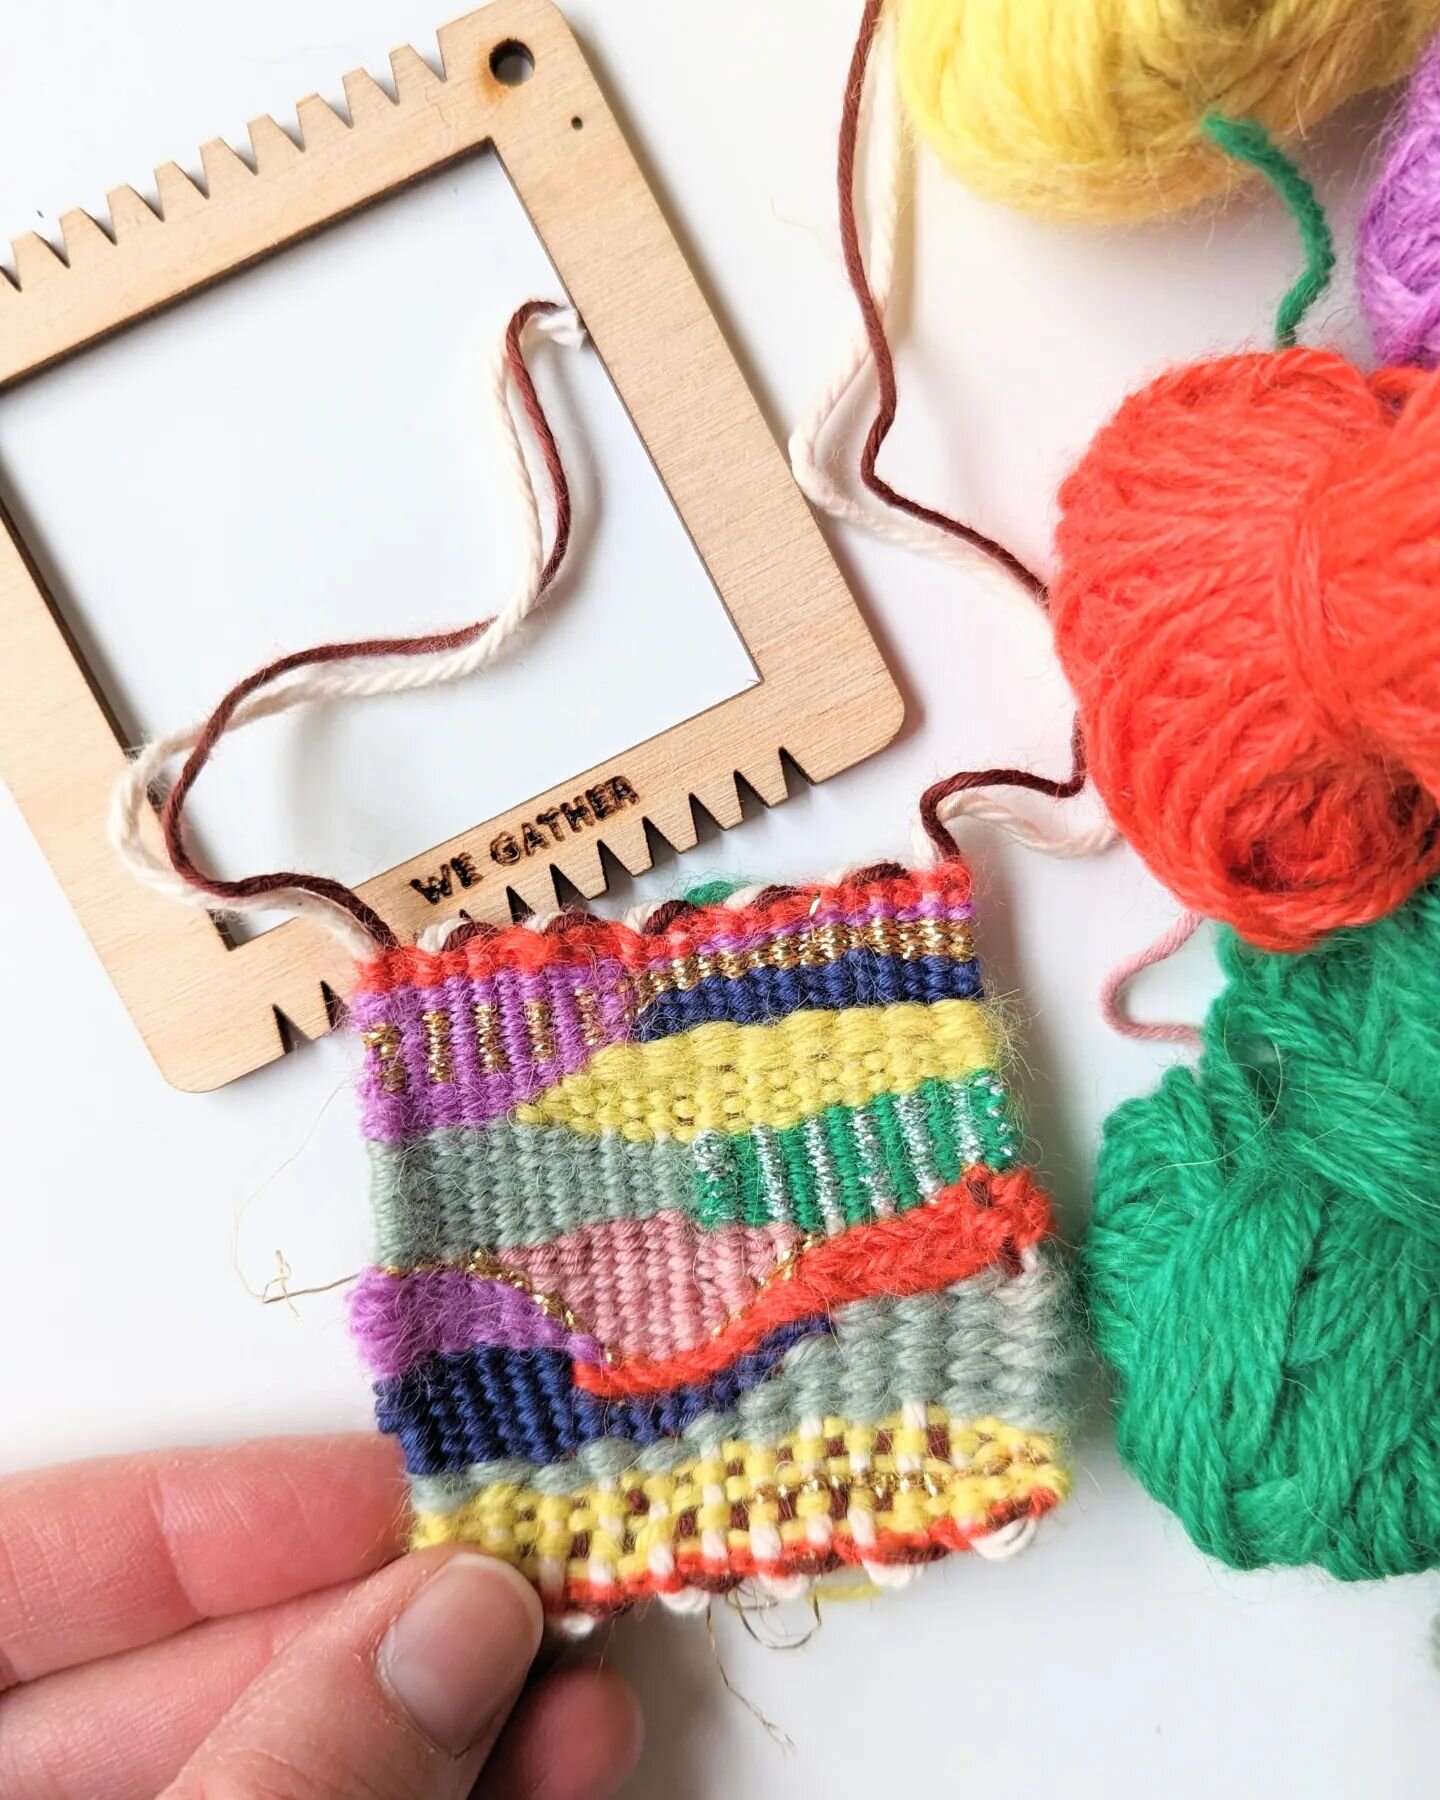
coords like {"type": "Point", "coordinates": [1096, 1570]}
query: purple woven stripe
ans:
{"type": "Point", "coordinates": [474, 1095]}
{"type": "Point", "coordinates": [398, 1320]}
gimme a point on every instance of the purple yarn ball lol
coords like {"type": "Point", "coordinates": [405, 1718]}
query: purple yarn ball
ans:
{"type": "Point", "coordinates": [1399, 248]}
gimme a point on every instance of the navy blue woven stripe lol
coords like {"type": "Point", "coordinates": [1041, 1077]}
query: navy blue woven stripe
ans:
{"type": "Point", "coordinates": [489, 1403]}
{"type": "Point", "coordinates": [759, 996]}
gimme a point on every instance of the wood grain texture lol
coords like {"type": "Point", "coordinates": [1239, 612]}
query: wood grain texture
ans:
{"type": "Point", "coordinates": [209, 1012]}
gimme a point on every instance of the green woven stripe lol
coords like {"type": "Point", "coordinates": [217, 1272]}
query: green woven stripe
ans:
{"type": "Point", "coordinates": [940, 1127]}
{"type": "Point", "coordinates": [903, 1186]}
{"type": "Point", "coordinates": [799, 1184]}
{"type": "Point", "coordinates": [992, 1347]}
{"type": "Point", "coordinates": [444, 1195]}
{"type": "Point", "coordinates": [981, 1113]}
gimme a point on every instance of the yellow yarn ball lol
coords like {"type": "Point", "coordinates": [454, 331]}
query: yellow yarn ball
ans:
{"type": "Point", "coordinates": [1092, 109]}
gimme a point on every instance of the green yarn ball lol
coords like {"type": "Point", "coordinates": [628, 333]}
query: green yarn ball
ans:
{"type": "Point", "coordinates": [1263, 1270]}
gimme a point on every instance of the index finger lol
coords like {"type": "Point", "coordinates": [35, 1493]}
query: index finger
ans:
{"type": "Point", "coordinates": [106, 1556]}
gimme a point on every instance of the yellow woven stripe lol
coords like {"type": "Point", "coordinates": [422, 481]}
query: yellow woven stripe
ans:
{"type": "Point", "coordinates": [731, 1078]}
{"type": "Point", "coordinates": [887, 1476]}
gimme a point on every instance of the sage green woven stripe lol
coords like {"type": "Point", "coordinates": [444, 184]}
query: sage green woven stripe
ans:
{"type": "Point", "coordinates": [996, 1346]}
{"type": "Point", "coordinates": [456, 1190]}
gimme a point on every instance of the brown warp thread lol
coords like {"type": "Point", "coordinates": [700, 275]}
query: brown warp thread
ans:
{"type": "Point", "coordinates": [875, 325]}
{"type": "Point", "coordinates": [1068, 789]}
{"type": "Point", "coordinates": [886, 412]}
{"type": "Point", "coordinates": [171, 813]}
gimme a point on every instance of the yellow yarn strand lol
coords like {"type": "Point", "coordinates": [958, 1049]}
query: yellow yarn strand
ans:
{"type": "Point", "coordinates": [731, 1078]}
{"type": "Point", "coordinates": [1093, 109]}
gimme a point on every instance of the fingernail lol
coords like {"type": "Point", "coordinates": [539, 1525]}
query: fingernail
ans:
{"type": "Point", "coordinates": [456, 1658]}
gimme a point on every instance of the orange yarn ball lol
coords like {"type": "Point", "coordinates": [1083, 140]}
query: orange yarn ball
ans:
{"type": "Point", "coordinates": [1249, 612]}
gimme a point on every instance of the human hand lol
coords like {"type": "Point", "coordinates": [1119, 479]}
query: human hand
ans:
{"type": "Point", "coordinates": [230, 1624]}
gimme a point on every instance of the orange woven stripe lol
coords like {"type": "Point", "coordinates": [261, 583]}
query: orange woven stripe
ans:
{"type": "Point", "coordinates": [984, 1218]}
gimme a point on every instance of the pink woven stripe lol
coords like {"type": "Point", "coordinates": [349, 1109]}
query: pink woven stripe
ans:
{"type": "Point", "coordinates": [657, 1286]}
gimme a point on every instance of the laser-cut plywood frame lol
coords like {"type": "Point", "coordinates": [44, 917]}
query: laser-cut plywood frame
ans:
{"type": "Point", "coordinates": [209, 1011]}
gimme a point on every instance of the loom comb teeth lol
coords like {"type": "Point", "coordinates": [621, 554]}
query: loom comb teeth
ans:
{"type": "Point", "coordinates": [130, 211]}
{"type": "Point", "coordinates": [85, 238]}
{"type": "Point", "coordinates": [36, 262]}
{"type": "Point", "coordinates": [180, 196]}
{"type": "Point", "coordinates": [320, 124]}
{"type": "Point", "coordinates": [227, 172]}
{"type": "Point", "coordinates": [366, 99]}
{"type": "Point", "coordinates": [413, 75]}
{"type": "Point", "coordinates": [271, 145]}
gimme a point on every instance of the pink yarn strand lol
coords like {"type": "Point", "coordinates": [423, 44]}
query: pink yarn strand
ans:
{"type": "Point", "coordinates": [1112, 995]}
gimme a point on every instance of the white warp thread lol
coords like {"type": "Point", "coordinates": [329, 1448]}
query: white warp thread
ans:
{"type": "Point", "coordinates": [130, 823]}
{"type": "Point", "coordinates": [977, 804]}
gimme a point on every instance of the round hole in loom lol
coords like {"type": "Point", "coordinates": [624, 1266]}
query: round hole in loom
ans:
{"type": "Point", "coordinates": [577, 123]}
{"type": "Point", "coordinates": [512, 63]}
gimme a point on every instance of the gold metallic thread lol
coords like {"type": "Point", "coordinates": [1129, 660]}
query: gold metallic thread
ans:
{"type": "Point", "coordinates": [810, 948]}
{"type": "Point", "coordinates": [489, 1046]}
{"type": "Point", "coordinates": [684, 973]}
{"type": "Point", "coordinates": [931, 936]}
{"type": "Point", "coordinates": [541, 1029]}
{"type": "Point", "coordinates": [832, 940]}
{"type": "Point", "coordinates": [439, 1062]}
{"type": "Point", "coordinates": [553, 1307]}
{"type": "Point", "coordinates": [882, 1485]}
{"type": "Point", "coordinates": [592, 1027]}
{"type": "Point", "coordinates": [385, 1041]}
{"type": "Point", "coordinates": [811, 951]}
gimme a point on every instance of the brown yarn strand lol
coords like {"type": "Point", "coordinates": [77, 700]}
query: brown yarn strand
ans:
{"type": "Point", "coordinates": [1068, 789]}
{"type": "Point", "coordinates": [880, 351]}
{"type": "Point", "coordinates": [880, 429]}
{"type": "Point", "coordinates": [322, 887]}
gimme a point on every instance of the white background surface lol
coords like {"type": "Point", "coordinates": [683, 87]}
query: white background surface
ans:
{"type": "Point", "coordinates": [1110, 1661]}
{"type": "Point", "coordinates": [312, 452]}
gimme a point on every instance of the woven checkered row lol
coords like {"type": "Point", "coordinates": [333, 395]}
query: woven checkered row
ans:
{"type": "Point", "coordinates": [887, 1498]}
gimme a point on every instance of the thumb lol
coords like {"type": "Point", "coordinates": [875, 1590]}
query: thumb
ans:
{"type": "Point", "coordinates": [400, 1691]}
